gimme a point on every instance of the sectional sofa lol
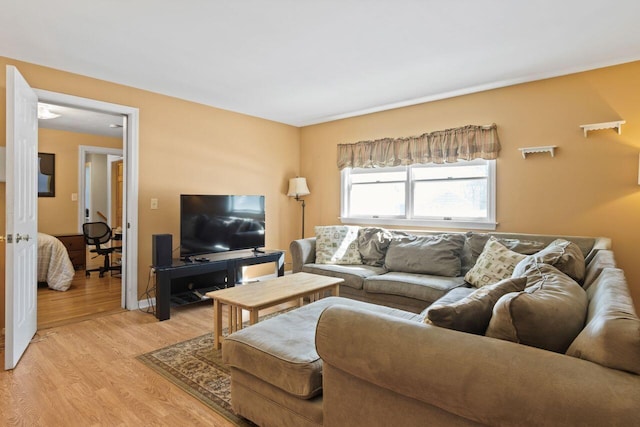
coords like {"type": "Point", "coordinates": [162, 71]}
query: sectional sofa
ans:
{"type": "Point", "coordinates": [557, 342]}
{"type": "Point", "coordinates": [410, 270]}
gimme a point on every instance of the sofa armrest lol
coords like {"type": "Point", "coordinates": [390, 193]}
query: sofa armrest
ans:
{"type": "Point", "coordinates": [472, 378]}
{"type": "Point", "coordinates": [303, 251]}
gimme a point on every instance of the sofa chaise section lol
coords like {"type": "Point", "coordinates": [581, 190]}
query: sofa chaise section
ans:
{"type": "Point", "coordinates": [276, 373]}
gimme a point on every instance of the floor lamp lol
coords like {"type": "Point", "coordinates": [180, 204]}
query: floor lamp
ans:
{"type": "Point", "coordinates": [297, 188]}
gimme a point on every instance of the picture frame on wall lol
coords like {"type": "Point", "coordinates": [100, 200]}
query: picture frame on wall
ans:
{"type": "Point", "coordinates": [46, 175]}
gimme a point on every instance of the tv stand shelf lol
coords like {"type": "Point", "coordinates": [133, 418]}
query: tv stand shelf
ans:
{"type": "Point", "coordinates": [229, 262]}
{"type": "Point", "coordinates": [194, 296]}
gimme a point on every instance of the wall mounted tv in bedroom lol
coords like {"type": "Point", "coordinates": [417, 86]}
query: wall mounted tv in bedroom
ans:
{"type": "Point", "coordinates": [220, 223]}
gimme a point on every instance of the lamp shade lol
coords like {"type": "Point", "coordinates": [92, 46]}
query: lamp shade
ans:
{"type": "Point", "coordinates": [298, 187]}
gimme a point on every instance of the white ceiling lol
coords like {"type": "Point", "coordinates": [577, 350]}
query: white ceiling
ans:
{"type": "Point", "coordinates": [304, 62]}
{"type": "Point", "coordinates": [83, 121]}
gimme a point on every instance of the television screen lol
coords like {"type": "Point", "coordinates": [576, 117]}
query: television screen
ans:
{"type": "Point", "coordinates": [219, 223]}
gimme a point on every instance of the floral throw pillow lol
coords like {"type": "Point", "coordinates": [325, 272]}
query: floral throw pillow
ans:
{"type": "Point", "coordinates": [494, 264]}
{"type": "Point", "coordinates": [337, 244]}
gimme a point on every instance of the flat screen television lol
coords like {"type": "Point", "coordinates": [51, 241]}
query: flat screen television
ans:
{"type": "Point", "coordinates": [220, 223]}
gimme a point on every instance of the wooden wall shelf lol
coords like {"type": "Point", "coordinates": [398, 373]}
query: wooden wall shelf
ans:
{"type": "Point", "coordinates": [542, 149]}
{"type": "Point", "coordinates": [617, 125]}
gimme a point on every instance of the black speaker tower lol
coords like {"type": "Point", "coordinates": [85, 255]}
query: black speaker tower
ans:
{"type": "Point", "coordinates": [161, 250]}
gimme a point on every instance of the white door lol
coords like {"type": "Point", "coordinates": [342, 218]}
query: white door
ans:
{"type": "Point", "coordinates": [22, 215]}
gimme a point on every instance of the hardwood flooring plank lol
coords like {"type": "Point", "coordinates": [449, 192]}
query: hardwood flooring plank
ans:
{"type": "Point", "coordinates": [87, 297]}
{"type": "Point", "coordinates": [86, 374]}
{"type": "Point", "coordinates": [82, 371]}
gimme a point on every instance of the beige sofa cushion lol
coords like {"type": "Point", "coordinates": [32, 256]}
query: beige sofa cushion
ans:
{"type": "Point", "coordinates": [353, 275]}
{"type": "Point", "coordinates": [494, 264]}
{"type": "Point", "coordinates": [602, 259]}
{"type": "Point", "coordinates": [472, 313]}
{"type": "Point", "coordinates": [564, 255]}
{"type": "Point", "coordinates": [281, 350]}
{"type": "Point", "coordinates": [612, 335]}
{"type": "Point", "coordinates": [337, 244]}
{"type": "Point", "coordinates": [423, 287]}
{"type": "Point", "coordinates": [436, 255]}
{"type": "Point", "coordinates": [372, 244]}
{"type": "Point", "coordinates": [475, 243]}
{"type": "Point", "coordinates": [548, 314]}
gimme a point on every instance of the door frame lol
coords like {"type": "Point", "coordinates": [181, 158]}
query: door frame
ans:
{"type": "Point", "coordinates": [131, 158]}
{"type": "Point", "coordinates": [83, 150]}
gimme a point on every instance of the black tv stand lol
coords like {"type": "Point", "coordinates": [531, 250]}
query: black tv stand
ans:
{"type": "Point", "coordinates": [229, 262]}
{"type": "Point", "coordinates": [258, 251]}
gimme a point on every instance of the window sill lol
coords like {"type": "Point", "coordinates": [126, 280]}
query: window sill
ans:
{"type": "Point", "coordinates": [465, 225]}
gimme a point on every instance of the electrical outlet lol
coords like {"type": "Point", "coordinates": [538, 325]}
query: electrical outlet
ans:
{"type": "Point", "coordinates": [74, 197]}
{"type": "Point", "coordinates": [154, 203]}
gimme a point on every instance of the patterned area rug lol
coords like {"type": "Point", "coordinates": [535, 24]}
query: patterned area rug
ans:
{"type": "Point", "coordinates": [197, 368]}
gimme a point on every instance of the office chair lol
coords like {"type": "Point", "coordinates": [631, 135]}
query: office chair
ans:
{"type": "Point", "coordinates": [98, 234]}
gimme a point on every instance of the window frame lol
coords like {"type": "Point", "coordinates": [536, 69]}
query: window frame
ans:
{"type": "Point", "coordinates": [486, 223]}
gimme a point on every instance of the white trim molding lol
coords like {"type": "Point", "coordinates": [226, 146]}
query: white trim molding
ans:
{"type": "Point", "coordinates": [130, 209]}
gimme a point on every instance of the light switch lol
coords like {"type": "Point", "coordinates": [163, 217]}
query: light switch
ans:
{"type": "Point", "coordinates": [154, 203]}
{"type": "Point", "coordinates": [74, 197]}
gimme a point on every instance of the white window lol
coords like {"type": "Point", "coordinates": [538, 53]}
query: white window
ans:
{"type": "Point", "coordinates": [452, 195]}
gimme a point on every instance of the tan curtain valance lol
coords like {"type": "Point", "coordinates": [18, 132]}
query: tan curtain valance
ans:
{"type": "Point", "coordinates": [445, 146]}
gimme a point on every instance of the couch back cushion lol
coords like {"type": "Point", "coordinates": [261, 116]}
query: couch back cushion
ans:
{"type": "Point", "coordinates": [475, 243]}
{"type": "Point", "coordinates": [373, 243]}
{"type": "Point", "coordinates": [494, 264]}
{"type": "Point", "coordinates": [548, 314]}
{"type": "Point", "coordinates": [564, 255]}
{"type": "Point", "coordinates": [438, 255]}
{"type": "Point", "coordinates": [602, 259]}
{"type": "Point", "coordinates": [612, 335]}
{"type": "Point", "coordinates": [472, 313]}
{"type": "Point", "coordinates": [337, 244]}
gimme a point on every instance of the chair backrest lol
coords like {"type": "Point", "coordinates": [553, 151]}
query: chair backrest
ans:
{"type": "Point", "coordinates": [96, 233]}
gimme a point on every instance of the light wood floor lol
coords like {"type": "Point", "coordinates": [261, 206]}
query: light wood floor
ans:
{"type": "Point", "coordinates": [86, 374]}
{"type": "Point", "coordinates": [86, 298]}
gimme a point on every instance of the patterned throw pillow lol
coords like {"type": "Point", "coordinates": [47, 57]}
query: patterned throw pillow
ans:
{"type": "Point", "coordinates": [337, 244]}
{"type": "Point", "coordinates": [494, 264]}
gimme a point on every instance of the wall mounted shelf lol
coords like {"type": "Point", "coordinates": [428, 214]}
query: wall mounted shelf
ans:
{"type": "Point", "coordinates": [543, 149]}
{"type": "Point", "coordinates": [617, 125]}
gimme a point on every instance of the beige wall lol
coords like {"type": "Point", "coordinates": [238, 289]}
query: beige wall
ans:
{"type": "Point", "coordinates": [589, 188]}
{"type": "Point", "coordinates": [59, 215]}
{"type": "Point", "coordinates": [188, 148]}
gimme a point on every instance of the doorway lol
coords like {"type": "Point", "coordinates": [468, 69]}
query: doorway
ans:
{"type": "Point", "coordinates": [75, 137]}
{"type": "Point", "coordinates": [130, 116]}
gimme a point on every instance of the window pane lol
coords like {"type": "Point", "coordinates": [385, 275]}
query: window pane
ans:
{"type": "Point", "coordinates": [464, 198]}
{"type": "Point", "coordinates": [358, 178]}
{"type": "Point", "coordinates": [449, 171]}
{"type": "Point", "coordinates": [384, 199]}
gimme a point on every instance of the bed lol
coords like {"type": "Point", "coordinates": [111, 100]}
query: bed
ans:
{"type": "Point", "coordinates": [54, 266]}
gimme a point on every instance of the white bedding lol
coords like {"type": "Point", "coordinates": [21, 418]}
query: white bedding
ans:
{"type": "Point", "coordinates": [54, 265]}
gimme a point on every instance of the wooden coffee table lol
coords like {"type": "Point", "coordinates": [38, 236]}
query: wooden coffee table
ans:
{"type": "Point", "coordinates": [254, 297]}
